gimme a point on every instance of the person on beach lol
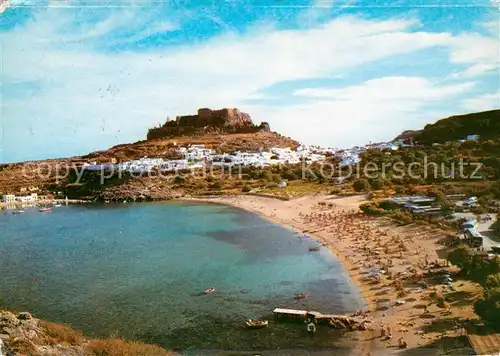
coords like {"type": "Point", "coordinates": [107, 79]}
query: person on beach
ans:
{"type": "Point", "coordinates": [402, 344]}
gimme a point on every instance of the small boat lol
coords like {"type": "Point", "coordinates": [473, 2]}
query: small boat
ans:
{"type": "Point", "coordinates": [43, 210]}
{"type": "Point", "coordinates": [257, 324]}
{"type": "Point", "coordinates": [209, 291]}
{"type": "Point", "coordinates": [57, 205]}
{"type": "Point", "coordinates": [314, 249]}
{"type": "Point", "coordinates": [300, 296]}
{"type": "Point", "coordinates": [19, 211]}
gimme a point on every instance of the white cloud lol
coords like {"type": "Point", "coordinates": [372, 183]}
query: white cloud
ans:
{"type": "Point", "coordinates": [153, 29]}
{"type": "Point", "coordinates": [323, 9]}
{"type": "Point", "coordinates": [375, 110]}
{"type": "Point", "coordinates": [389, 88]}
{"type": "Point", "coordinates": [147, 86]}
{"type": "Point", "coordinates": [478, 69]}
{"type": "Point", "coordinates": [317, 9]}
{"type": "Point", "coordinates": [483, 102]}
{"type": "Point", "coordinates": [116, 20]}
{"type": "Point", "coordinates": [482, 53]}
{"type": "Point", "coordinates": [493, 26]}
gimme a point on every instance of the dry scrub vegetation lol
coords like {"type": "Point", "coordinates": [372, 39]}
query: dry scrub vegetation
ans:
{"type": "Point", "coordinates": [27, 336]}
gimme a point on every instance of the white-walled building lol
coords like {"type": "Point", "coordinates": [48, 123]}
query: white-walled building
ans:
{"type": "Point", "coordinates": [196, 156]}
{"type": "Point", "coordinates": [8, 198]}
{"type": "Point", "coordinates": [27, 199]}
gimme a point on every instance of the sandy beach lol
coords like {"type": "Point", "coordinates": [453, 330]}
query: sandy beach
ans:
{"type": "Point", "coordinates": [387, 262]}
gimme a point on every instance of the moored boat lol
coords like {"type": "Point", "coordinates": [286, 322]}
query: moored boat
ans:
{"type": "Point", "coordinates": [257, 324]}
{"type": "Point", "coordinates": [43, 210]}
{"type": "Point", "coordinates": [209, 291]}
{"type": "Point", "coordinates": [300, 296]}
{"type": "Point", "coordinates": [18, 211]}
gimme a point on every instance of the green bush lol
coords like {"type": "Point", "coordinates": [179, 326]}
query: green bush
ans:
{"type": "Point", "coordinates": [388, 205]}
{"type": "Point", "coordinates": [477, 266]}
{"type": "Point", "coordinates": [493, 281]}
{"type": "Point", "coordinates": [335, 191]}
{"type": "Point", "coordinates": [399, 189]}
{"type": "Point", "coordinates": [403, 217]}
{"type": "Point", "coordinates": [246, 188]}
{"type": "Point", "coordinates": [267, 176]}
{"type": "Point", "coordinates": [361, 185]}
{"type": "Point", "coordinates": [489, 308]}
{"type": "Point", "coordinates": [179, 179]}
{"type": "Point", "coordinates": [289, 175]}
{"type": "Point", "coordinates": [377, 184]}
{"type": "Point", "coordinates": [371, 209]}
{"type": "Point", "coordinates": [478, 210]}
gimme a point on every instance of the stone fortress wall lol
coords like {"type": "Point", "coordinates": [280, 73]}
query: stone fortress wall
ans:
{"type": "Point", "coordinates": [227, 120]}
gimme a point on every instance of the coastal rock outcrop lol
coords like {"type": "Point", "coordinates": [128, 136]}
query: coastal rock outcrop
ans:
{"type": "Point", "coordinates": [208, 121]}
{"type": "Point", "coordinates": [343, 322]}
{"type": "Point", "coordinates": [24, 335]}
{"type": "Point", "coordinates": [18, 331]}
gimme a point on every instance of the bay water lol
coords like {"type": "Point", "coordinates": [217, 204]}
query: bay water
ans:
{"type": "Point", "coordinates": [138, 271]}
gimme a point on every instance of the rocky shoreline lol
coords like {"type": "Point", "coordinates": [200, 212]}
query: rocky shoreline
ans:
{"type": "Point", "coordinates": [22, 334]}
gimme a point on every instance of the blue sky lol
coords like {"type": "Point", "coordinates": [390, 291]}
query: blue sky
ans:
{"type": "Point", "coordinates": [80, 76]}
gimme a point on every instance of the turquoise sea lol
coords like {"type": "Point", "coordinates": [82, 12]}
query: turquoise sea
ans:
{"type": "Point", "coordinates": [136, 271]}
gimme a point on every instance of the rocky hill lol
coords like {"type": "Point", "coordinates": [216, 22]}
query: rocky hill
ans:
{"type": "Point", "coordinates": [486, 124]}
{"type": "Point", "coordinates": [161, 187]}
{"type": "Point", "coordinates": [56, 175]}
{"type": "Point", "coordinates": [408, 135]}
{"type": "Point", "coordinates": [208, 121]}
{"type": "Point", "coordinates": [166, 147]}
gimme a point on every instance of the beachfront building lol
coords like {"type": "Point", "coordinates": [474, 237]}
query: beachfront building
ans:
{"type": "Point", "coordinates": [420, 200]}
{"type": "Point", "coordinates": [8, 198]}
{"type": "Point", "coordinates": [28, 199]}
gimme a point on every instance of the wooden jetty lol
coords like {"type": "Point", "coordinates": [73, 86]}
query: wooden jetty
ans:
{"type": "Point", "coordinates": [290, 313]}
{"type": "Point", "coordinates": [336, 321]}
